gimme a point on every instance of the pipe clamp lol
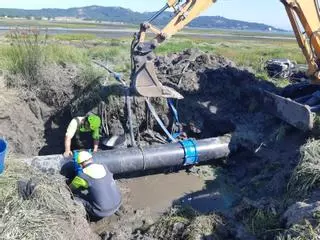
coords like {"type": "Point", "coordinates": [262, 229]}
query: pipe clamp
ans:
{"type": "Point", "coordinates": [190, 151]}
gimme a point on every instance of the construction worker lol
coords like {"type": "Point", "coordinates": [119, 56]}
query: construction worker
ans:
{"type": "Point", "coordinates": [85, 129]}
{"type": "Point", "coordinates": [103, 197]}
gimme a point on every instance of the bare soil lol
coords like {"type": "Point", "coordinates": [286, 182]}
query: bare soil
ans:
{"type": "Point", "coordinates": [33, 119]}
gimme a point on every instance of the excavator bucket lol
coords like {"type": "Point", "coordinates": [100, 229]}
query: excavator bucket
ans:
{"type": "Point", "coordinates": [288, 110]}
{"type": "Point", "coordinates": [147, 84]}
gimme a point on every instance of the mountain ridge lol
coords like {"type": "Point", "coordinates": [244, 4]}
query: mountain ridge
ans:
{"type": "Point", "coordinates": [120, 14]}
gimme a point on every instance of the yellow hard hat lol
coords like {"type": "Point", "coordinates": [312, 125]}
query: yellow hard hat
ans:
{"type": "Point", "coordinates": [83, 156]}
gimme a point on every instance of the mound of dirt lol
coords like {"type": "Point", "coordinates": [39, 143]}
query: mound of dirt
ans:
{"type": "Point", "coordinates": [20, 124]}
{"type": "Point", "coordinates": [219, 96]}
{"type": "Point", "coordinates": [27, 114]}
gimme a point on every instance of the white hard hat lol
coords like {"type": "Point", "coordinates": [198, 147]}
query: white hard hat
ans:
{"type": "Point", "coordinates": [83, 156]}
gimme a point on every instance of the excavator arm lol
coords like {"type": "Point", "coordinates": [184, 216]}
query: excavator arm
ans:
{"type": "Point", "coordinates": [305, 14]}
{"type": "Point", "coordinates": [144, 78]}
{"type": "Point", "coordinates": [305, 20]}
{"type": "Point", "coordinates": [301, 13]}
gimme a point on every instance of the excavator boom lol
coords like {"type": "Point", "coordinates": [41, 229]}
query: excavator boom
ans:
{"type": "Point", "coordinates": [295, 109]}
{"type": "Point", "coordinates": [143, 76]}
{"type": "Point", "coordinates": [305, 13]}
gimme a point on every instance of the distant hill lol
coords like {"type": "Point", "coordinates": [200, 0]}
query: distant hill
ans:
{"type": "Point", "coordinates": [118, 14]}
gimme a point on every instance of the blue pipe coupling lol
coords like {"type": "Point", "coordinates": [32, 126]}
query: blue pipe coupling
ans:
{"type": "Point", "coordinates": [190, 151]}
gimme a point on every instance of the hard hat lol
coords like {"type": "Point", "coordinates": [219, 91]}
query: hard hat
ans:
{"type": "Point", "coordinates": [83, 156]}
{"type": "Point", "coordinates": [94, 122]}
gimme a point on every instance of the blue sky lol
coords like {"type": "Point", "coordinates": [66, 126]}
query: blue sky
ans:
{"type": "Point", "coordinates": [264, 11]}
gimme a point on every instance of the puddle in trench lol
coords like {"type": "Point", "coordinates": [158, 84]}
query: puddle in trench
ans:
{"type": "Point", "coordinates": [159, 192]}
{"type": "Point", "coordinates": [218, 196]}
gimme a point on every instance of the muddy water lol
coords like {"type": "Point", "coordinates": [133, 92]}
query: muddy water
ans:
{"type": "Point", "coordinates": [157, 192]}
{"type": "Point", "coordinates": [217, 196]}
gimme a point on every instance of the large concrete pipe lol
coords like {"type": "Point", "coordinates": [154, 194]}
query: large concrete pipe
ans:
{"type": "Point", "coordinates": [135, 159]}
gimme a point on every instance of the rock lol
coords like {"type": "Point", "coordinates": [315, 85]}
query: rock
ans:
{"type": "Point", "coordinates": [178, 229]}
{"type": "Point", "coordinates": [299, 211]}
{"type": "Point", "coordinates": [242, 233]}
{"type": "Point", "coordinates": [116, 128]}
{"type": "Point", "coordinates": [277, 185]}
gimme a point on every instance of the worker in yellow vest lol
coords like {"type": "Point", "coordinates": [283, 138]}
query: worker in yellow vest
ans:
{"type": "Point", "coordinates": [82, 126]}
{"type": "Point", "coordinates": [102, 197]}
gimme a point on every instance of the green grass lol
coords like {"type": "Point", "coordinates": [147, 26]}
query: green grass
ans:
{"type": "Point", "coordinates": [90, 74]}
{"type": "Point", "coordinates": [66, 54]}
{"type": "Point", "coordinates": [25, 56]}
{"type": "Point", "coordinates": [10, 59]}
{"type": "Point", "coordinates": [194, 225]}
{"type": "Point", "coordinates": [237, 32]}
{"type": "Point", "coordinates": [261, 223]}
{"type": "Point", "coordinates": [29, 52]}
{"type": "Point", "coordinates": [72, 37]}
{"type": "Point", "coordinates": [174, 45]}
{"type": "Point", "coordinates": [115, 53]}
{"type": "Point", "coordinates": [306, 176]}
{"type": "Point", "coordinates": [105, 53]}
{"type": "Point", "coordinates": [304, 231]}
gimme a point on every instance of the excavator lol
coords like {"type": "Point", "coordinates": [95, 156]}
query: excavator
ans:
{"type": "Point", "coordinates": [297, 105]}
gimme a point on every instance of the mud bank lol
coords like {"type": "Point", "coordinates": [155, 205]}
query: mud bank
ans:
{"type": "Point", "coordinates": [28, 113]}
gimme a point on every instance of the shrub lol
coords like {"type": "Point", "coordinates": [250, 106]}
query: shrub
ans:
{"type": "Point", "coordinates": [25, 56]}
{"type": "Point", "coordinates": [306, 176]}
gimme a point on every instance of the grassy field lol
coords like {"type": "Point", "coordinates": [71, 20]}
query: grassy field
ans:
{"type": "Point", "coordinates": [248, 51]}
{"type": "Point", "coordinates": [236, 32]}
{"type": "Point", "coordinates": [243, 52]}
{"type": "Point", "coordinates": [81, 48]}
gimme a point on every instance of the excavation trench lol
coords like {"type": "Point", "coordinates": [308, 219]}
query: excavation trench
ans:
{"type": "Point", "coordinates": [220, 98]}
{"type": "Point", "coordinates": [154, 190]}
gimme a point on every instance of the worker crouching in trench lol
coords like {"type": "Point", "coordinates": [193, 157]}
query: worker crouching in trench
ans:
{"type": "Point", "coordinates": [82, 133]}
{"type": "Point", "coordinates": [95, 187]}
